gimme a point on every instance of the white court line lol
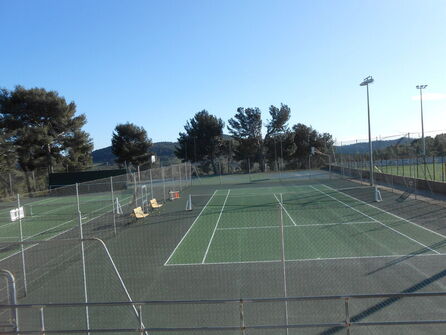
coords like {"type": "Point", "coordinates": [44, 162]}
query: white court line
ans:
{"type": "Point", "coordinates": [384, 211]}
{"type": "Point", "coordinates": [312, 259]}
{"type": "Point", "coordinates": [300, 225]}
{"type": "Point", "coordinates": [247, 228]}
{"type": "Point", "coordinates": [281, 205]}
{"type": "Point", "coordinates": [196, 219]}
{"type": "Point", "coordinates": [368, 216]}
{"type": "Point", "coordinates": [215, 228]}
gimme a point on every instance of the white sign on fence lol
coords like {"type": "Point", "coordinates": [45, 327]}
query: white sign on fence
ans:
{"type": "Point", "coordinates": [17, 213]}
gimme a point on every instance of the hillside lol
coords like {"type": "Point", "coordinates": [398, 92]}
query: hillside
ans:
{"type": "Point", "coordinates": [363, 147]}
{"type": "Point", "coordinates": [163, 150]}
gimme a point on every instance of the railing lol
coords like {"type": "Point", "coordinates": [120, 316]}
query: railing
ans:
{"type": "Point", "coordinates": [346, 324]}
{"type": "Point", "coordinates": [12, 299]}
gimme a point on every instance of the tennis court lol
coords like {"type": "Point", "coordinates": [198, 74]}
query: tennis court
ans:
{"type": "Point", "coordinates": [318, 223]}
{"type": "Point", "coordinates": [334, 239]}
{"type": "Point", "coordinates": [48, 217]}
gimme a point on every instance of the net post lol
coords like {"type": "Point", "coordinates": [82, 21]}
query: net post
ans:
{"type": "Point", "coordinates": [22, 248]}
{"type": "Point", "coordinates": [189, 203]}
{"type": "Point", "coordinates": [84, 271]}
{"type": "Point", "coordinates": [113, 205]}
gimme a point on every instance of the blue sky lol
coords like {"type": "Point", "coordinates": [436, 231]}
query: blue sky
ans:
{"type": "Point", "coordinates": [156, 63]}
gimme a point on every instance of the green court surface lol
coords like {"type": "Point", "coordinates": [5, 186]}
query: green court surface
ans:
{"type": "Point", "coordinates": [428, 171]}
{"type": "Point", "coordinates": [48, 217]}
{"type": "Point", "coordinates": [317, 221]}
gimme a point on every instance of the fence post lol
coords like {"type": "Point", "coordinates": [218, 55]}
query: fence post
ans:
{"type": "Point", "coordinates": [173, 177]}
{"type": "Point", "coordinates": [442, 168]}
{"type": "Point", "coordinates": [164, 183]}
{"type": "Point", "coordinates": [151, 184]}
{"type": "Point", "coordinates": [10, 185]}
{"type": "Point", "coordinates": [141, 324]}
{"type": "Point", "coordinates": [22, 248]}
{"type": "Point", "coordinates": [283, 259]}
{"type": "Point", "coordinates": [34, 180]}
{"type": "Point", "coordinates": [347, 315]}
{"type": "Point", "coordinates": [433, 167]}
{"type": "Point", "coordinates": [42, 321]}
{"type": "Point", "coordinates": [417, 169]}
{"type": "Point", "coordinates": [113, 204]}
{"type": "Point", "coordinates": [179, 176]}
{"type": "Point", "coordinates": [249, 170]}
{"type": "Point", "coordinates": [402, 165]}
{"type": "Point", "coordinates": [84, 272]}
{"type": "Point", "coordinates": [242, 317]}
{"type": "Point", "coordinates": [135, 190]}
{"type": "Point", "coordinates": [186, 176]}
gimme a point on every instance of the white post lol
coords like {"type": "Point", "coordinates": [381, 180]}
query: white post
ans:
{"type": "Point", "coordinates": [151, 185]}
{"type": "Point", "coordinates": [84, 272]}
{"type": "Point", "coordinates": [282, 233]}
{"type": "Point", "coordinates": [113, 204]}
{"type": "Point", "coordinates": [25, 281]}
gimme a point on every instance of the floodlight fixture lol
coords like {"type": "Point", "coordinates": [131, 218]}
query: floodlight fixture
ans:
{"type": "Point", "coordinates": [368, 80]}
{"type": "Point", "coordinates": [421, 87]}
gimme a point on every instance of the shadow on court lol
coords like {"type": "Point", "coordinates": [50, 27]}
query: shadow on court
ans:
{"type": "Point", "coordinates": [387, 302]}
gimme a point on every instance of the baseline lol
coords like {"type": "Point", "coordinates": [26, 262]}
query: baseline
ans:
{"type": "Point", "coordinates": [312, 259]}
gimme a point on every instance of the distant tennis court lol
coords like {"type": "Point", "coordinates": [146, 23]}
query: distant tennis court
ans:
{"type": "Point", "coordinates": [318, 222]}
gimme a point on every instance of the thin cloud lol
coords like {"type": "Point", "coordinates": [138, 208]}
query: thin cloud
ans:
{"type": "Point", "coordinates": [430, 96]}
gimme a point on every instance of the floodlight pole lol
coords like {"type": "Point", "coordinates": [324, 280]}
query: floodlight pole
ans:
{"type": "Point", "coordinates": [366, 82]}
{"type": "Point", "coordinates": [421, 88]}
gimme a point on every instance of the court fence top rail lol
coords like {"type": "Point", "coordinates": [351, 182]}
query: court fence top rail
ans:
{"type": "Point", "coordinates": [348, 322]}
